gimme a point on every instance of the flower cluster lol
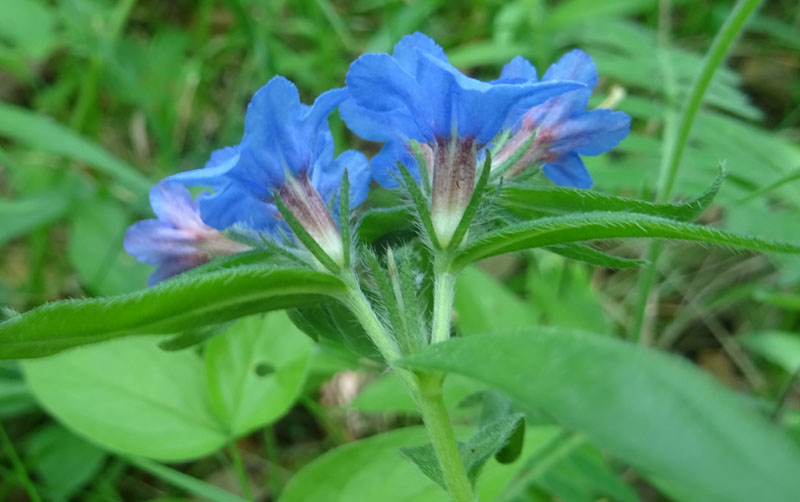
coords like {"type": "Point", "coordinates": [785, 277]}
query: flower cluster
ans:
{"type": "Point", "coordinates": [428, 115]}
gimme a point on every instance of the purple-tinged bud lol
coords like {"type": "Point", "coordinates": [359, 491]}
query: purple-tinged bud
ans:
{"type": "Point", "coordinates": [306, 204]}
{"type": "Point", "coordinates": [453, 184]}
{"type": "Point", "coordinates": [178, 240]}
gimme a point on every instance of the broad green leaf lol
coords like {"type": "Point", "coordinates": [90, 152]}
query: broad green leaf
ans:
{"type": "Point", "coordinates": [23, 215]}
{"type": "Point", "coordinates": [176, 305]}
{"type": "Point", "coordinates": [685, 432]}
{"type": "Point", "coordinates": [63, 461]}
{"type": "Point", "coordinates": [530, 201]}
{"type": "Point", "coordinates": [130, 397]}
{"type": "Point", "coordinates": [372, 469]}
{"type": "Point", "coordinates": [778, 347]}
{"type": "Point", "coordinates": [484, 444]}
{"type": "Point", "coordinates": [255, 371]}
{"type": "Point", "coordinates": [604, 225]}
{"type": "Point", "coordinates": [484, 305]}
{"type": "Point", "coordinates": [42, 132]}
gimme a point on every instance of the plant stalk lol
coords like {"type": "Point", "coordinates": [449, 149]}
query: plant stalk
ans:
{"type": "Point", "coordinates": [443, 295]}
{"type": "Point", "coordinates": [434, 414]}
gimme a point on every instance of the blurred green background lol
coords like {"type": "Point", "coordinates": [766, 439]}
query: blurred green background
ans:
{"type": "Point", "coordinates": [99, 99]}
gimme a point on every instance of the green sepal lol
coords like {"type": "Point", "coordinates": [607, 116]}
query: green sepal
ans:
{"type": "Point", "coordinates": [304, 237]}
{"type": "Point", "coordinates": [419, 203]}
{"type": "Point", "coordinates": [344, 217]}
{"type": "Point", "coordinates": [473, 205]}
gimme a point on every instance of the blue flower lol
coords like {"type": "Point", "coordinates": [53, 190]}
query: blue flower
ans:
{"type": "Point", "coordinates": [178, 240]}
{"type": "Point", "coordinates": [287, 148]}
{"type": "Point", "coordinates": [562, 128]}
{"type": "Point", "coordinates": [416, 95]}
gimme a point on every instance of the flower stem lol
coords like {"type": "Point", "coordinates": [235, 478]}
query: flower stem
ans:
{"type": "Point", "coordinates": [443, 294]}
{"type": "Point", "coordinates": [425, 389]}
{"type": "Point", "coordinates": [440, 431]}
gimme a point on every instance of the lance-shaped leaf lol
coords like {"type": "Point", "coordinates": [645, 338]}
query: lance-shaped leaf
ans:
{"type": "Point", "coordinates": [592, 256]}
{"type": "Point", "coordinates": [177, 305]}
{"type": "Point", "coordinates": [688, 434]}
{"type": "Point", "coordinates": [537, 201]}
{"type": "Point", "coordinates": [604, 225]}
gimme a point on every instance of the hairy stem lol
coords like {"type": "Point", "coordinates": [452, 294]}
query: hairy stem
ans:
{"type": "Point", "coordinates": [440, 431]}
{"type": "Point", "coordinates": [443, 294]}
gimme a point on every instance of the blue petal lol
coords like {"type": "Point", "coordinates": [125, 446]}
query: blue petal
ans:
{"type": "Point", "coordinates": [517, 71]}
{"type": "Point", "coordinates": [574, 65]}
{"type": "Point", "coordinates": [316, 116]}
{"type": "Point", "coordinates": [379, 83]}
{"type": "Point", "coordinates": [479, 108]}
{"type": "Point", "coordinates": [591, 133]}
{"type": "Point", "coordinates": [328, 182]}
{"type": "Point", "coordinates": [234, 206]}
{"type": "Point", "coordinates": [379, 126]}
{"type": "Point", "coordinates": [154, 241]}
{"type": "Point", "coordinates": [214, 173]}
{"type": "Point", "coordinates": [407, 50]}
{"type": "Point", "coordinates": [173, 204]}
{"type": "Point", "coordinates": [384, 164]}
{"type": "Point", "coordinates": [568, 170]}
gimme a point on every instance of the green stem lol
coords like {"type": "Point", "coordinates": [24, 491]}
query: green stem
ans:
{"type": "Point", "coordinates": [241, 472]}
{"type": "Point", "coordinates": [714, 57]}
{"type": "Point", "coordinates": [19, 467]}
{"type": "Point", "coordinates": [425, 389]}
{"type": "Point", "coordinates": [434, 414]}
{"type": "Point", "coordinates": [443, 295]}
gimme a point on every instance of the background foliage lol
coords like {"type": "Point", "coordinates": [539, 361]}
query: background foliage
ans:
{"type": "Point", "coordinates": [101, 98]}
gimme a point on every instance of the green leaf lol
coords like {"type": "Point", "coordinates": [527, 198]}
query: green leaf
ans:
{"type": "Point", "coordinates": [484, 305]}
{"type": "Point", "coordinates": [193, 337]}
{"type": "Point", "coordinates": [332, 322]}
{"type": "Point", "coordinates": [23, 215]}
{"type": "Point", "coordinates": [130, 397]}
{"type": "Point", "coordinates": [420, 204]}
{"type": "Point", "coordinates": [778, 347]}
{"type": "Point", "coordinates": [371, 469]}
{"type": "Point", "coordinates": [63, 461]}
{"type": "Point", "coordinates": [255, 371]}
{"type": "Point", "coordinates": [388, 394]}
{"type": "Point", "coordinates": [592, 256]}
{"type": "Point", "coordinates": [377, 223]}
{"type": "Point", "coordinates": [487, 442]}
{"type": "Point", "coordinates": [604, 225]}
{"type": "Point", "coordinates": [536, 201]}
{"type": "Point", "coordinates": [42, 132]}
{"type": "Point", "coordinates": [685, 432]}
{"type": "Point", "coordinates": [174, 306]}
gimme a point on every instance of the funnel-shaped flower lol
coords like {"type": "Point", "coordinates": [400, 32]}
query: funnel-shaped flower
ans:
{"type": "Point", "coordinates": [415, 94]}
{"type": "Point", "coordinates": [558, 131]}
{"type": "Point", "coordinates": [178, 240]}
{"type": "Point", "coordinates": [286, 149]}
